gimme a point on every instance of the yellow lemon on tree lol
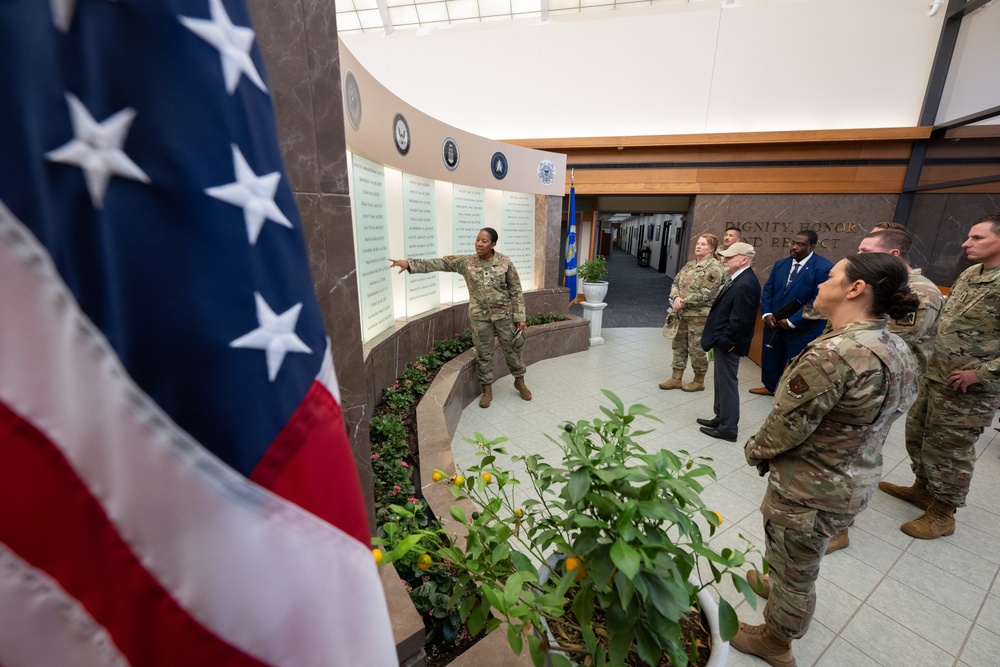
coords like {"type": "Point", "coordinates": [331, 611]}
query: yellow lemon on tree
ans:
{"type": "Point", "coordinates": [377, 553]}
{"type": "Point", "coordinates": [487, 477]}
{"type": "Point", "coordinates": [719, 516]}
{"type": "Point", "coordinates": [458, 480]}
{"type": "Point", "coordinates": [519, 512]}
{"type": "Point", "coordinates": [437, 476]}
{"type": "Point", "coordinates": [424, 562]}
{"type": "Point", "coordinates": [574, 563]}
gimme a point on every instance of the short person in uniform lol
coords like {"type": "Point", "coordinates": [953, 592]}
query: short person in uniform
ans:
{"type": "Point", "coordinates": [496, 306]}
{"type": "Point", "coordinates": [695, 288]}
{"type": "Point", "coordinates": [821, 441]}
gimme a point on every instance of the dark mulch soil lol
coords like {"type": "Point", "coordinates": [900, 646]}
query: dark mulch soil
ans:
{"type": "Point", "coordinates": [440, 653]}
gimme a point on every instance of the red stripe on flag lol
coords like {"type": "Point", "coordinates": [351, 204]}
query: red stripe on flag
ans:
{"type": "Point", "coordinates": [310, 463]}
{"type": "Point", "coordinates": [49, 518]}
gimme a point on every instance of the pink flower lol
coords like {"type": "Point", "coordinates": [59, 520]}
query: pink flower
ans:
{"type": "Point", "coordinates": [413, 500]}
{"type": "Point", "coordinates": [404, 464]}
{"type": "Point", "coordinates": [396, 488]}
{"type": "Point", "coordinates": [374, 456]}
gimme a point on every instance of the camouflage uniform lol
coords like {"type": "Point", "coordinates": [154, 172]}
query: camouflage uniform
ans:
{"type": "Point", "coordinates": [496, 305]}
{"type": "Point", "coordinates": [698, 283]}
{"type": "Point", "coordinates": [918, 329]}
{"type": "Point", "coordinates": [944, 424]}
{"type": "Point", "coordinates": [821, 442]}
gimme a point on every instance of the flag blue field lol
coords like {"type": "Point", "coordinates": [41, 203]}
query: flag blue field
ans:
{"type": "Point", "coordinates": [571, 247]}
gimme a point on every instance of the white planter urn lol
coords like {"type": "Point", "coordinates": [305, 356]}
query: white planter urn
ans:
{"type": "Point", "coordinates": [595, 292]}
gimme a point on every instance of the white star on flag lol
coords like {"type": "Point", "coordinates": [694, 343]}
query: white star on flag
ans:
{"type": "Point", "coordinates": [62, 13]}
{"type": "Point", "coordinates": [97, 149]}
{"type": "Point", "coordinates": [254, 194]}
{"type": "Point", "coordinates": [232, 41]}
{"type": "Point", "coordinates": [275, 335]}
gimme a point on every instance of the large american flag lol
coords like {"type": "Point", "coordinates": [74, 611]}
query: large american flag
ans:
{"type": "Point", "coordinates": [176, 485]}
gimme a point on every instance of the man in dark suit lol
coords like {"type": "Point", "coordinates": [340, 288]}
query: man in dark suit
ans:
{"type": "Point", "coordinates": [797, 277]}
{"type": "Point", "coordinates": [728, 332]}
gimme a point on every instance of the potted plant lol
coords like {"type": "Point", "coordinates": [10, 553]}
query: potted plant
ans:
{"type": "Point", "coordinates": [624, 531]}
{"type": "Point", "coordinates": [594, 274]}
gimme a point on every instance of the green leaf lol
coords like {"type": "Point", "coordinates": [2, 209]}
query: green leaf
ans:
{"type": "Point", "coordinates": [579, 485]}
{"type": "Point", "coordinates": [625, 588]}
{"type": "Point", "coordinates": [458, 514]}
{"type": "Point", "coordinates": [501, 552]}
{"type": "Point", "coordinates": [589, 638]}
{"type": "Point", "coordinates": [477, 619]}
{"type": "Point", "coordinates": [466, 607]}
{"type": "Point", "coordinates": [514, 638]}
{"type": "Point", "coordinates": [744, 587]}
{"type": "Point", "coordinates": [648, 648]}
{"type": "Point", "coordinates": [625, 558]}
{"type": "Point", "coordinates": [583, 606]}
{"type": "Point", "coordinates": [559, 660]}
{"type": "Point", "coordinates": [729, 623]}
{"type": "Point", "coordinates": [492, 625]}
{"type": "Point", "coordinates": [535, 650]}
{"type": "Point", "coordinates": [621, 644]}
{"type": "Point", "coordinates": [512, 591]}
{"type": "Point", "coordinates": [614, 399]}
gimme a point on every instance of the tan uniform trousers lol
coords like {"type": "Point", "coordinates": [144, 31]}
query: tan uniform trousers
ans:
{"type": "Point", "coordinates": [943, 455]}
{"type": "Point", "coordinates": [687, 342]}
{"type": "Point", "coordinates": [484, 335]}
{"type": "Point", "coordinates": [797, 537]}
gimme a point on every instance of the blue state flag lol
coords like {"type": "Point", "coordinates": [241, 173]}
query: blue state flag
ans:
{"type": "Point", "coordinates": [571, 247]}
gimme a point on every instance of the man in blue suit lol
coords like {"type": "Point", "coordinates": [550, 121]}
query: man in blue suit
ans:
{"type": "Point", "coordinates": [728, 332]}
{"type": "Point", "coordinates": [796, 277]}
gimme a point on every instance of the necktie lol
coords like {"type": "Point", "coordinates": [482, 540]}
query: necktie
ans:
{"type": "Point", "coordinates": [795, 269]}
{"type": "Point", "coordinates": [725, 286]}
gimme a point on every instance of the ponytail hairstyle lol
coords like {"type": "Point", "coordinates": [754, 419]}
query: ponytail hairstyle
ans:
{"type": "Point", "coordinates": [888, 278]}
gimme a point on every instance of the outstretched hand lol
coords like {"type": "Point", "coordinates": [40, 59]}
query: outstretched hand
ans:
{"type": "Point", "coordinates": [401, 263]}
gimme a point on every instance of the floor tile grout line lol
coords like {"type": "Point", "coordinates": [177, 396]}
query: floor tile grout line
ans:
{"type": "Point", "coordinates": [975, 621]}
{"type": "Point", "coordinates": [864, 602]}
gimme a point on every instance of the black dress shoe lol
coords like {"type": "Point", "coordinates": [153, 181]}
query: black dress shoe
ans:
{"type": "Point", "coordinates": [716, 433]}
{"type": "Point", "coordinates": [711, 423]}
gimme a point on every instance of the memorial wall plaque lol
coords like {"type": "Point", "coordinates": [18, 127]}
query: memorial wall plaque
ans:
{"type": "Point", "coordinates": [468, 216]}
{"type": "Point", "coordinates": [420, 242]}
{"type": "Point", "coordinates": [372, 242]}
{"type": "Point", "coordinates": [517, 234]}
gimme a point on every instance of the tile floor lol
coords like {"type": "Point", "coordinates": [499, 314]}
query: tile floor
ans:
{"type": "Point", "coordinates": [887, 600]}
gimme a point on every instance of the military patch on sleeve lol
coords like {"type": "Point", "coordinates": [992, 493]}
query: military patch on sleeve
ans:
{"type": "Point", "coordinates": [798, 385]}
{"type": "Point", "coordinates": [711, 277]}
{"type": "Point", "coordinates": [908, 321]}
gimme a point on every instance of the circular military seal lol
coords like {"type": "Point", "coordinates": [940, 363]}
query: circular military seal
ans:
{"type": "Point", "coordinates": [401, 134]}
{"type": "Point", "coordinates": [449, 153]}
{"type": "Point", "coordinates": [352, 100]}
{"type": "Point", "coordinates": [546, 172]}
{"type": "Point", "coordinates": [498, 165]}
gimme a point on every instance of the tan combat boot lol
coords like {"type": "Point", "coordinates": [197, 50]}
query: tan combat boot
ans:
{"type": "Point", "coordinates": [675, 382]}
{"type": "Point", "coordinates": [839, 541]}
{"type": "Point", "coordinates": [487, 398]}
{"type": "Point", "coordinates": [522, 388]}
{"type": "Point", "coordinates": [759, 583]}
{"type": "Point", "coordinates": [763, 642]}
{"type": "Point", "coordinates": [937, 521]}
{"type": "Point", "coordinates": [697, 384]}
{"type": "Point", "coordinates": [915, 495]}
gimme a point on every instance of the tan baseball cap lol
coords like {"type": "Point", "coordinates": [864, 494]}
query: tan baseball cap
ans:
{"type": "Point", "coordinates": [738, 249]}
